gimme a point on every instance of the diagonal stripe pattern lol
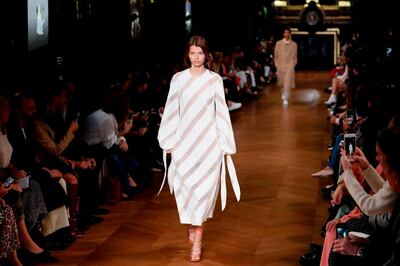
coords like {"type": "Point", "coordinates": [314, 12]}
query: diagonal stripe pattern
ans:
{"type": "Point", "coordinates": [197, 131]}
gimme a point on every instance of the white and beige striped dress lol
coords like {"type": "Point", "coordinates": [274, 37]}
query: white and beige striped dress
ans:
{"type": "Point", "coordinates": [197, 131]}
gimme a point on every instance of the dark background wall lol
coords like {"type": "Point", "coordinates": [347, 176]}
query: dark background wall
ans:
{"type": "Point", "coordinates": [94, 41]}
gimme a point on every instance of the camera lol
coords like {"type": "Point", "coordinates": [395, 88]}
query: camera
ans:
{"type": "Point", "coordinates": [350, 145]}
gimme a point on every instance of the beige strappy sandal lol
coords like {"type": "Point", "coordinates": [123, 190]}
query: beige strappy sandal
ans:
{"type": "Point", "coordinates": [190, 235]}
{"type": "Point", "coordinates": [195, 253]}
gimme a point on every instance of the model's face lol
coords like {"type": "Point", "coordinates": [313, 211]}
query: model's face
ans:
{"type": "Point", "coordinates": [196, 56]}
{"type": "Point", "coordinates": [287, 34]}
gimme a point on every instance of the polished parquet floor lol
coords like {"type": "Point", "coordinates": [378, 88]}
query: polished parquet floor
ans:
{"type": "Point", "coordinates": [281, 209]}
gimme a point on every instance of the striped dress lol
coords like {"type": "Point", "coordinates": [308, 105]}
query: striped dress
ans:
{"type": "Point", "coordinates": [197, 131]}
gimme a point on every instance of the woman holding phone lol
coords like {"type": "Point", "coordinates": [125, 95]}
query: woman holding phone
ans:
{"type": "Point", "coordinates": [385, 199]}
{"type": "Point", "coordinates": [197, 131]}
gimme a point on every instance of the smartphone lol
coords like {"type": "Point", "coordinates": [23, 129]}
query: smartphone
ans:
{"type": "Point", "coordinates": [7, 183]}
{"type": "Point", "coordinates": [350, 116]}
{"type": "Point", "coordinates": [350, 145]}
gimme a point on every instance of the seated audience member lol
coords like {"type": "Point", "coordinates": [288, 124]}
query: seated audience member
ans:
{"type": "Point", "coordinates": [50, 144]}
{"type": "Point", "coordinates": [388, 154]}
{"type": "Point", "coordinates": [14, 196]}
{"type": "Point", "coordinates": [101, 132]}
{"type": "Point", "coordinates": [9, 241]}
{"type": "Point", "coordinates": [52, 187]}
{"type": "Point", "coordinates": [231, 92]}
{"type": "Point", "coordinates": [338, 82]}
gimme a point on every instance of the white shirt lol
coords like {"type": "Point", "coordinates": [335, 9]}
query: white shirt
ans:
{"type": "Point", "coordinates": [243, 79]}
{"type": "Point", "coordinates": [5, 151]}
{"type": "Point", "coordinates": [101, 128]}
{"type": "Point", "coordinates": [345, 75]}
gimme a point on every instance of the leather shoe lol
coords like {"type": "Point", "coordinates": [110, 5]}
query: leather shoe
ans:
{"type": "Point", "coordinates": [43, 257]}
{"type": "Point", "coordinates": [96, 220]}
{"type": "Point", "coordinates": [310, 259]}
{"type": "Point", "coordinates": [316, 248]}
{"type": "Point", "coordinates": [101, 211]}
{"type": "Point", "coordinates": [57, 245]}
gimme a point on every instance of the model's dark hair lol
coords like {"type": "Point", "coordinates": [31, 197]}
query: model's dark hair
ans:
{"type": "Point", "coordinates": [199, 41]}
{"type": "Point", "coordinates": [287, 29]}
{"type": "Point", "coordinates": [389, 143]}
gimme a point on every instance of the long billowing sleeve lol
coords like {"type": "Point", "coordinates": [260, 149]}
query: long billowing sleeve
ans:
{"type": "Point", "coordinates": [223, 121]}
{"type": "Point", "coordinates": [170, 119]}
{"type": "Point", "coordinates": [227, 142]}
{"type": "Point", "coordinates": [295, 54]}
{"type": "Point", "coordinates": [168, 127]}
{"type": "Point", "coordinates": [277, 56]}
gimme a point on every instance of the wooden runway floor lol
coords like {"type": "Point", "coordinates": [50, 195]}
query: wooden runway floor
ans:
{"type": "Point", "coordinates": [281, 210]}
